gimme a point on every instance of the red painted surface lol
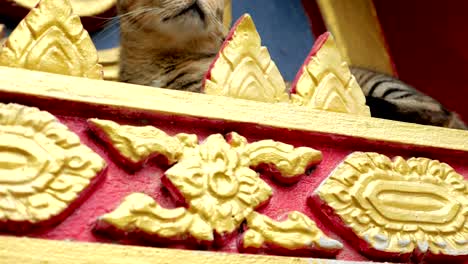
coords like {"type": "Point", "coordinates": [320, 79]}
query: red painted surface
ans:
{"type": "Point", "coordinates": [118, 182]}
{"type": "Point", "coordinates": [428, 41]}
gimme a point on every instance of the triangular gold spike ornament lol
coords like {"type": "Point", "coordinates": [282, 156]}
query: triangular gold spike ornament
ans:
{"type": "Point", "coordinates": [325, 81]}
{"type": "Point", "coordinates": [52, 39]}
{"type": "Point", "coordinates": [244, 68]}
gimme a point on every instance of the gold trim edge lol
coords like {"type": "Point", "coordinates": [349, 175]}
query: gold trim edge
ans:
{"type": "Point", "coordinates": [164, 101]}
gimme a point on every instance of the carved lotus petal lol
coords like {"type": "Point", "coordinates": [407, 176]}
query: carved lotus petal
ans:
{"type": "Point", "coordinates": [400, 207]}
{"type": "Point", "coordinates": [51, 39]}
{"type": "Point", "coordinates": [244, 69]}
{"type": "Point", "coordinates": [297, 233]}
{"type": "Point", "coordinates": [326, 83]}
{"type": "Point", "coordinates": [139, 212]}
{"type": "Point", "coordinates": [44, 168]}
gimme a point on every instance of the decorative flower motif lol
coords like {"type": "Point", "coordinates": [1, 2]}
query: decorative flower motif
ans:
{"type": "Point", "coordinates": [399, 207]}
{"type": "Point", "coordinates": [215, 179]}
{"type": "Point", "coordinates": [218, 184]}
{"type": "Point", "coordinates": [43, 166]}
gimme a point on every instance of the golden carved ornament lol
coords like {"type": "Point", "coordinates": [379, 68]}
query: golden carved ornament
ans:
{"type": "Point", "coordinates": [290, 162]}
{"type": "Point", "coordinates": [297, 232]}
{"type": "Point", "coordinates": [400, 206]}
{"type": "Point", "coordinates": [51, 39]}
{"type": "Point", "coordinates": [139, 212]}
{"type": "Point", "coordinates": [326, 83]}
{"type": "Point", "coordinates": [43, 166]}
{"type": "Point", "coordinates": [244, 68]}
{"type": "Point", "coordinates": [214, 178]}
{"type": "Point", "coordinates": [138, 144]}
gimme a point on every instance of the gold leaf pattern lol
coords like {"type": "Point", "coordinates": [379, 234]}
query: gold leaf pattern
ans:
{"type": "Point", "coordinates": [217, 184]}
{"type": "Point", "coordinates": [51, 39]}
{"type": "Point", "coordinates": [400, 206]}
{"type": "Point", "coordinates": [326, 83]}
{"type": "Point", "coordinates": [138, 144]}
{"type": "Point", "coordinates": [139, 212]}
{"type": "Point", "coordinates": [214, 178]}
{"type": "Point", "coordinates": [244, 69]}
{"type": "Point", "coordinates": [297, 232]}
{"type": "Point", "coordinates": [289, 161]}
{"type": "Point", "coordinates": [43, 166]}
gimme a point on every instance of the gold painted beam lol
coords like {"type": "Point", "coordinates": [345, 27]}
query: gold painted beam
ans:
{"type": "Point", "coordinates": [355, 25]}
{"type": "Point", "coordinates": [28, 250]}
{"type": "Point", "coordinates": [122, 95]}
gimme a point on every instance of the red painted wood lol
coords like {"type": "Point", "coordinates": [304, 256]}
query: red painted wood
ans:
{"type": "Point", "coordinates": [118, 182]}
{"type": "Point", "coordinates": [428, 41]}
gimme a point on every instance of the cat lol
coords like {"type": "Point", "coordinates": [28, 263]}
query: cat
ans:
{"type": "Point", "coordinates": [171, 44]}
{"type": "Point", "coordinates": [390, 98]}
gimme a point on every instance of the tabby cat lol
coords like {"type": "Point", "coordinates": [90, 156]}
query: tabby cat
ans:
{"type": "Point", "coordinates": [171, 43]}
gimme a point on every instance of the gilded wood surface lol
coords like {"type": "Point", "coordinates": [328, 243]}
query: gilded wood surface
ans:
{"type": "Point", "coordinates": [23, 250]}
{"type": "Point", "coordinates": [43, 166]}
{"type": "Point", "coordinates": [400, 206]}
{"type": "Point", "coordinates": [52, 39]}
{"type": "Point", "coordinates": [215, 178]}
{"type": "Point", "coordinates": [164, 101]}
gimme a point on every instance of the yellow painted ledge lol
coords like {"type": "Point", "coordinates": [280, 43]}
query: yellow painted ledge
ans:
{"type": "Point", "coordinates": [28, 250]}
{"type": "Point", "coordinates": [122, 95]}
{"type": "Point", "coordinates": [357, 30]}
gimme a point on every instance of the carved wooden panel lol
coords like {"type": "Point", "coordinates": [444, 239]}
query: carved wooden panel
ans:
{"type": "Point", "coordinates": [180, 175]}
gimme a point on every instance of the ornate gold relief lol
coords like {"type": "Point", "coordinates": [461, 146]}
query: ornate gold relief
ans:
{"type": "Point", "coordinates": [400, 207]}
{"type": "Point", "coordinates": [326, 83]}
{"type": "Point", "coordinates": [218, 184]}
{"type": "Point", "coordinates": [140, 213]}
{"type": "Point", "coordinates": [214, 179]}
{"type": "Point", "coordinates": [138, 144]}
{"type": "Point", "coordinates": [44, 168]}
{"type": "Point", "coordinates": [51, 39]}
{"type": "Point", "coordinates": [297, 232]}
{"type": "Point", "coordinates": [289, 162]}
{"type": "Point", "coordinates": [244, 69]}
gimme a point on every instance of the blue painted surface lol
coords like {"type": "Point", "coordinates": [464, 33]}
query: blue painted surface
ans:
{"type": "Point", "coordinates": [283, 26]}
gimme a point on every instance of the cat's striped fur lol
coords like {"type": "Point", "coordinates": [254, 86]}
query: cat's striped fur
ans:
{"type": "Point", "coordinates": [390, 98]}
{"type": "Point", "coordinates": [171, 43]}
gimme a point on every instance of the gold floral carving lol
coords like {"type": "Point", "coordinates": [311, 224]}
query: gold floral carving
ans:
{"type": "Point", "coordinates": [214, 178]}
{"type": "Point", "coordinates": [400, 206]}
{"type": "Point", "coordinates": [138, 144]}
{"type": "Point", "coordinates": [326, 83]}
{"type": "Point", "coordinates": [52, 39]}
{"type": "Point", "coordinates": [297, 232]}
{"type": "Point", "coordinates": [43, 166]}
{"type": "Point", "coordinates": [244, 69]}
{"type": "Point", "coordinates": [289, 161]}
{"type": "Point", "coordinates": [218, 184]}
{"type": "Point", "coordinates": [140, 212]}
